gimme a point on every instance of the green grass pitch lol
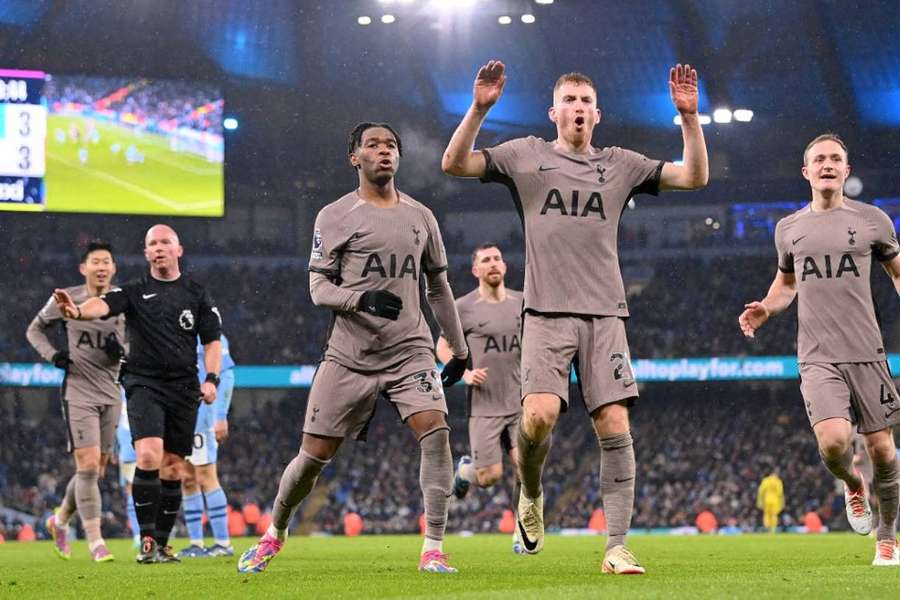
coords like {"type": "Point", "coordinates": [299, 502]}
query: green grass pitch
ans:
{"type": "Point", "coordinates": [166, 183]}
{"type": "Point", "coordinates": [749, 566]}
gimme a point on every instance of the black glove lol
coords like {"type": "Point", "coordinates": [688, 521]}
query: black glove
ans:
{"type": "Point", "coordinates": [381, 303]}
{"type": "Point", "coordinates": [114, 350]}
{"type": "Point", "coordinates": [61, 359]}
{"type": "Point", "coordinates": [453, 371]}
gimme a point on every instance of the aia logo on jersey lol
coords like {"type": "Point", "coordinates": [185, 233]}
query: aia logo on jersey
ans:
{"type": "Point", "coordinates": [391, 266]}
{"type": "Point", "coordinates": [845, 265]}
{"type": "Point", "coordinates": [502, 343]}
{"type": "Point", "coordinates": [186, 319]}
{"type": "Point", "coordinates": [572, 206]}
{"type": "Point", "coordinates": [851, 232]}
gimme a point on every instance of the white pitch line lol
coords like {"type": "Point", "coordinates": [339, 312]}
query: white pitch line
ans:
{"type": "Point", "coordinates": [128, 185]}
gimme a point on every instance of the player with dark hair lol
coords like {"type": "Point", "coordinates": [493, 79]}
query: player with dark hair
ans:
{"type": "Point", "coordinates": [90, 396]}
{"type": "Point", "coordinates": [166, 312]}
{"type": "Point", "coordinates": [491, 317]}
{"type": "Point", "coordinates": [825, 253]}
{"type": "Point", "coordinates": [370, 249]}
{"type": "Point", "coordinates": [570, 196]}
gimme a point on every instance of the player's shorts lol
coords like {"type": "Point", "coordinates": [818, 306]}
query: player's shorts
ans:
{"type": "Point", "coordinates": [862, 393]}
{"type": "Point", "coordinates": [342, 401]}
{"type": "Point", "coordinates": [205, 450]}
{"type": "Point", "coordinates": [93, 425]}
{"type": "Point", "coordinates": [491, 438]}
{"type": "Point", "coordinates": [163, 409]}
{"type": "Point", "coordinates": [126, 473]}
{"type": "Point", "coordinates": [597, 346]}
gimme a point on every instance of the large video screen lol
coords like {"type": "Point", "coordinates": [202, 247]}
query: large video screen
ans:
{"type": "Point", "coordinates": [128, 145]}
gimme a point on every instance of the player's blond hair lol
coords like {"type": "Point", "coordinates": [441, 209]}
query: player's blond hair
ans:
{"type": "Point", "coordinates": [576, 78]}
{"type": "Point", "coordinates": [827, 137]}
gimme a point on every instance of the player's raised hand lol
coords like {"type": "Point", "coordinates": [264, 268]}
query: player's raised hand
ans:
{"type": "Point", "coordinates": [475, 376]}
{"type": "Point", "coordinates": [488, 84]}
{"type": "Point", "coordinates": [753, 317]}
{"type": "Point", "coordinates": [683, 88]}
{"type": "Point", "coordinates": [65, 303]}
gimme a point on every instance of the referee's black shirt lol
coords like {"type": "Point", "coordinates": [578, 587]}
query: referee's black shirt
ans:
{"type": "Point", "coordinates": [163, 320]}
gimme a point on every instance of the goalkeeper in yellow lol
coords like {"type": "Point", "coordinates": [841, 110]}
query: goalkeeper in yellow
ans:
{"type": "Point", "coordinates": [770, 499]}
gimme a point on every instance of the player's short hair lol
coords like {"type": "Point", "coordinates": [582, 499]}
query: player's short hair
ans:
{"type": "Point", "coordinates": [94, 246]}
{"type": "Point", "coordinates": [355, 138]}
{"type": "Point", "coordinates": [481, 247]}
{"type": "Point", "coordinates": [576, 78]}
{"type": "Point", "coordinates": [827, 137]}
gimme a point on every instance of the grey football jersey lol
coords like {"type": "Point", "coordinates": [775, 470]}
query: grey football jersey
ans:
{"type": "Point", "coordinates": [571, 205]}
{"type": "Point", "coordinates": [92, 378]}
{"type": "Point", "coordinates": [362, 247]}
{"type": "Point", "coordinates": [830, 254]}
{"type": "Point", "coordinates": [493, 332]}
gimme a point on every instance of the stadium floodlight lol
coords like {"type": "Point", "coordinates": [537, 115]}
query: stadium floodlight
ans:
{"type": "Point", "coordinates": [677, 120]}
{"type": "Point", "coordinates": [722, 115]}
{"type": "Point", "coordinates": [364, 20]}
{"type": "Point", "coordinates": [230, 123]}
{"type": "Point", "coordinates": [544, 1]}
{"type": "Point", "coordinates": [386, 1]}
{"type": "Point", "coordinates": [388, 19]}
{"type": "Point", "coordinates": [704, 119]}
{"type": "Point", "coordinates": [504, 20]}
{"type": "Point", "coordinates": [528, 18]}
{"type": "Point", "coordinates": [743, 115]}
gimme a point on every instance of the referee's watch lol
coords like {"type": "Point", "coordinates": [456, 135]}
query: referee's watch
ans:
{"type": "Point", "coordinates": [212, 378]}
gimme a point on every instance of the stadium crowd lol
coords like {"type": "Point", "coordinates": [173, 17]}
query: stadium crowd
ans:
{"type": "Point", "coordinates": [697, 447]}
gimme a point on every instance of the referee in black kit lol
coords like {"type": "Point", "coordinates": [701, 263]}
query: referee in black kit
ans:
{"type": "Point", "coordinates": [164, 312]}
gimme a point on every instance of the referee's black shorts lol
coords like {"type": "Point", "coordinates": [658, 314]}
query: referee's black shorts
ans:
{"type": "Point", "coordinates": [165, 409]}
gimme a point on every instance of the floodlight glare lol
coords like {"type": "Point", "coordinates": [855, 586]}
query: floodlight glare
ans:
{"type": "Point", "coordinates": [387, 19]}
{"type": "Point", "coordinates": [504, 20]}
{"type": "Point", "coordinates": [677, 120]}
{"type": "Point", "coordinates": [528, 18]}
{"type": "Point", "coordinates": [230, 123]}
{"type": "Point", "coordinates": [544, 1]}
{"type": "Point", "coordinates": [704, 119]}
{"type": "Point", "coordinates": [364, 20]}
{"type": "Point", "coordinates": [743, 115]}
{"type": "Point", "coordinates": [722, 115]}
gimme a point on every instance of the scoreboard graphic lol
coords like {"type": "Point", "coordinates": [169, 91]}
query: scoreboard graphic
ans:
{"type": "Point", "coordinates": [23, 140]}
{"type": "Point", "coordinates": [111, 145]}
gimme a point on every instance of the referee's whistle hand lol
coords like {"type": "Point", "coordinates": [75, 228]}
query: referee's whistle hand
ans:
{"type": "Point", "coordinates": [208, 392]}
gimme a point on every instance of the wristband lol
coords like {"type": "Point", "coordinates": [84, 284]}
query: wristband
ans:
{"type": "Point", "coordinates": [212, 378]}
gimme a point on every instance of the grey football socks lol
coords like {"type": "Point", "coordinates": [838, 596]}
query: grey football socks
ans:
{"type": "Point", "coordinates": [436, 480]}
{"type": "Point", "coordinates": [617, 470]}
{"type": "Point", "coordinates": [888, 493]}
{"type": "Point", "coordinates": [297, 481]}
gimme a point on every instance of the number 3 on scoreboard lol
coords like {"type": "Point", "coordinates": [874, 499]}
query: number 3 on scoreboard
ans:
{"type": "Point", "coordinates": [24, 124]}
{"type": "Point", "coordinates": [24, 158]}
